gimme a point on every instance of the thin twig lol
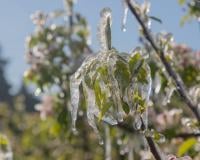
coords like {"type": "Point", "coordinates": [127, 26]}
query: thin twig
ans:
{"type": "Point", "coordinates": [153, 148]}
{"type": "Point", "coordinates": [152, 145]}
{"type": "Point", "coordinates": [179, 84]}
{"type": "Point", "coordinates": [187, 135]}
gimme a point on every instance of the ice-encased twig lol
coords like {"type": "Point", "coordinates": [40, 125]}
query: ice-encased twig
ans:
{"type": "Point", "coordinates": [104, 30]}
{"type": "Point", "coordinates": [107, 144]}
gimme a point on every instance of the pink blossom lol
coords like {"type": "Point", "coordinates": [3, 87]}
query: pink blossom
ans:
{"type": "Point", "coordinates": [45, 108]}
{"type": "Point", "coordinates": [172, 157]}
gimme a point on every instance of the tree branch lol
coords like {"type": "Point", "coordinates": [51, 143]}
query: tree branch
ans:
{"type": "Point", "coordinates": [152, 145]}
{"type": "Point", "coordinates": [187, 135]}
{"type": "Point", "coordinates": [153, 148]}
{"type": "Point", "coordinates": [179, 84]}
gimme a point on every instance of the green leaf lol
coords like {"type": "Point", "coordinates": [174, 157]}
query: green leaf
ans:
{"type": "Point", "coordinates": [155, 19]}
{"type": "Point", "coordinates": [125, 107]}
{"type": "Point", "coordinates": [102, 101]}
{"type": "Point", "coordinates": [97, 91]}
{"type": "Point", "coordinates": [141, 102]}
{"type": "Point", "coordinates": [142, 75]}
{"type": "Point", "coordinates": [186, 145]}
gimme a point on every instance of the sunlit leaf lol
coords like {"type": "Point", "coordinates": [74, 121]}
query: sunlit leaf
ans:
{"type": "Point", "coordinates": [186, 146]}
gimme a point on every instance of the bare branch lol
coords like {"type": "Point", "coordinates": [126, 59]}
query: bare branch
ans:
{"type": "Point", "coordinates": [187, 135]}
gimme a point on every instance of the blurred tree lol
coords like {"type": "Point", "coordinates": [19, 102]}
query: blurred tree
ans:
{"type": "Point", "coordinates": [5, 95]}
{"type": "Point", "coordinates": [29, 99]}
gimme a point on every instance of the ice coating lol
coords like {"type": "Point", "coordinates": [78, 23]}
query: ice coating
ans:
{"type": "Point", "coordinates": [147, 92]}
{"type": "Point", "coordinates": [92, 110]}
{"type": "Point", "coordinates": [100, 79]}
{"type": "Point", "coordinates": [75, 81]}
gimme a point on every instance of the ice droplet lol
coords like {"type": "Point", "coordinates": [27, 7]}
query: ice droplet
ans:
{"type": "Point", "coordinates": [101, 142]}
{"type": "Point", "coordinates": [124, 19]}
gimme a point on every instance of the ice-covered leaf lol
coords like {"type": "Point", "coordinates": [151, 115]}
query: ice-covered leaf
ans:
{"type": "Point", "coordinates": [134, 62]}
{"type": "Point", "coordinates": [122, 74]}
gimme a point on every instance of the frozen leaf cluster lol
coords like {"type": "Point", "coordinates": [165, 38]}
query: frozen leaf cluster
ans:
{"type": "Point", "coordinates": [113, 84]}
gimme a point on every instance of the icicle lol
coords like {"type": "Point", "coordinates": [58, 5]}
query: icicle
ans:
{"type": "Point", "coordinates": [92, 110]}
{"type": "Point", "coordinates": [137, 124]}
{"type": "Point", "coordinates": [104, 30]}
{"type": "Point", "coordinates": [74, 89]}
{"type": "Point", "coordinates": [145, 90]}
{"type": "Point", "coordinates": [124, 19]}
{"type": "Point", "coordinates": [107, 144]}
